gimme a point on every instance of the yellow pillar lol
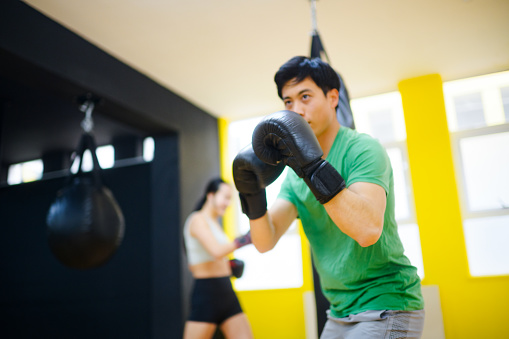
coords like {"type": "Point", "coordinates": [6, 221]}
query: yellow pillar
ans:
{"type": "Point", "coordinates": [472, 307]}
{"type": "Point", "coordinates": [434, 183]}
{"type": "Point", "coordinates": [226, 173]}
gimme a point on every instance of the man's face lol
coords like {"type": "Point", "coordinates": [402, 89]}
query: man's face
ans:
{"type": "Point", "coordinates": [307, 99]}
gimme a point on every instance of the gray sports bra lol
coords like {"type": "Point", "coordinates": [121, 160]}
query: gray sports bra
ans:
{"type": "Point", "coordinates": [196, 253]}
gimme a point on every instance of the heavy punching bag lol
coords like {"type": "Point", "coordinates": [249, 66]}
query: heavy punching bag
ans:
{"type": "Point", "coordinates": [343, 110]}
{"type": "Point", "coordinates": [85, 223]}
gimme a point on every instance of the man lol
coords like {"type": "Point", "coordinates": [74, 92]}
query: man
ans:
{"type": "Point", "coordinates": [341, 188]}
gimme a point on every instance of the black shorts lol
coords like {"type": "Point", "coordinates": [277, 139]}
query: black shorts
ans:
{"type": "Point", "coordinates": [213, 300]}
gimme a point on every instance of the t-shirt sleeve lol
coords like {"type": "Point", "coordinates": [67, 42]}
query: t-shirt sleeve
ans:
{"type": "Point", "coordinates": [369, 163]}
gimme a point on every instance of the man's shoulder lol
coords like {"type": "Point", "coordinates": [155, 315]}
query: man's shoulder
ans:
{"type": "Point", "coordinates": [354, 135]}
{"type": "Point", "coordinates": [354, 141]}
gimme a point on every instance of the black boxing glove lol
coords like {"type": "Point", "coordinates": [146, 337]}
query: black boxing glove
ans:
{"type": "Point", "coordinates": [251, 176]}
{"type": "Point", "coordinates": [286, 137]}
{"type": "Point", "coordinates": [237, 267]}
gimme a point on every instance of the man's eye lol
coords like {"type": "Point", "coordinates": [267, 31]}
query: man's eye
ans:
{"type": "Point", "coordinates": [288, 103]}
{"type": "Point", "coordinates": [305, 97]}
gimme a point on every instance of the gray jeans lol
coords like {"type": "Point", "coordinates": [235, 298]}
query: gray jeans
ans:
{"type": "Point", "coordinates": [375, 324]}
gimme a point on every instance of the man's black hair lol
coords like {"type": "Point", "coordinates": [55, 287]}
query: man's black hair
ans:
{"type": "Point", "coordinates": [300, 67]}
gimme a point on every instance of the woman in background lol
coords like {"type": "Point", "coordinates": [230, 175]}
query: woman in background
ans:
{"type": "Point", "coordinates": [213, 301]}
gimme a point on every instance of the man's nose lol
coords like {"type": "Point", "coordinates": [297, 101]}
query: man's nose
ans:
{"type": "Point", "coordinates": [297, 108]}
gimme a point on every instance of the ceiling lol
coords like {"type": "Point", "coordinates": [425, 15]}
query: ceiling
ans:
{"type": "Point", "coordinates": [221, 55]}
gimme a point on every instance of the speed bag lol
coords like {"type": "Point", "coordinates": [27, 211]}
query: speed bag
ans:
{"type": "Point", "coordinates": [85, 223]}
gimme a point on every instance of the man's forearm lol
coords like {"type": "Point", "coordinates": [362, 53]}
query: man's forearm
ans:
{"type": "Point", "coordinates": [263, 233]}
{"type": "Point", "coordinates": [358, 215]}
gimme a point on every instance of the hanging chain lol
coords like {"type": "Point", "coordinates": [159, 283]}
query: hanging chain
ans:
{"type": "Point", "coordinates": [87, 124]}
{"type": "Point", "coordinates": [314, 26]}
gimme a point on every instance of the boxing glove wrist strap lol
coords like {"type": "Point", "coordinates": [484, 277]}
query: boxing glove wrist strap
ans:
{"type": "Point", "coordinates": [243, 240]}
{"type": "Point", "coordinates": [254, 205]}
{"type": "Point", "coordinates": [323, 180]}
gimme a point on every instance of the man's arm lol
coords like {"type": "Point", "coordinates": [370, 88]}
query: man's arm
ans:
{"type": "Point", "coordinates": [267, 230]}
{"type": "Point", "coordinates": [358, 211]}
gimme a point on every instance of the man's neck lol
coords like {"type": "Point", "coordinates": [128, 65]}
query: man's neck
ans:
{"type": "Point", "coordinates": [327, 138]}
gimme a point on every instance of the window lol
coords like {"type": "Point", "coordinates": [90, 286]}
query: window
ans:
{"type": "Point", "coordinates": [477, 102]}
{"type": "Point", "coordinates": [469, 110]}
{"type": "Point", "coordinates": [504, 93]}
{"type": "Point", "coordinates": [282, 266]}
{"type": "Point", "coordinates": [105, 156]}
{"type": "Point", "coordinates": [485, 165]}
{"type": "Point", "coordinates": [33, 170]}
{"type": "Point", "coordinates": [382, 117]}
{"type": "Point", "coordinates": [148, 149]}
{"type": "Point", "coordinates": [480, 139]}
{"type": "Point", "coordinates": [25, 172]}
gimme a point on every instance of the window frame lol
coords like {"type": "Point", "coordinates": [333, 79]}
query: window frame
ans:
{"type": "Point", "coordinates": [456, 138]}
{"type": "Point", "coordinates": [412, 219]}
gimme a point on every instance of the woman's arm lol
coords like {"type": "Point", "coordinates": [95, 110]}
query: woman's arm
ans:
{"type": "Point", "coordinates": [200, 229]}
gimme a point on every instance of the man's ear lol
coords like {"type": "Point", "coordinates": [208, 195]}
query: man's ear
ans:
{"type": "Point", "coordinates": [333, 97]}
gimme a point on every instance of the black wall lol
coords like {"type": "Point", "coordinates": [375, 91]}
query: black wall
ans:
{"type": "Point", "coordinates": [143, 291]}
{"type": "Point", "coordinates": [41, 298]}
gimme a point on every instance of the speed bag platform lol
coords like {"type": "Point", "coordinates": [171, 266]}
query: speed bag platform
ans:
{"type": "Point", "coordinates": [85, 223]}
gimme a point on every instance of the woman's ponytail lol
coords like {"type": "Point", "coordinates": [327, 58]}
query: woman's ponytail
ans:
{"type": "Point", "coordinates": [211, 187]}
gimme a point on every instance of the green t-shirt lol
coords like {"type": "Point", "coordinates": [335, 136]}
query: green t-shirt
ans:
{"type": "Point", "coordinates": [353, 278]}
